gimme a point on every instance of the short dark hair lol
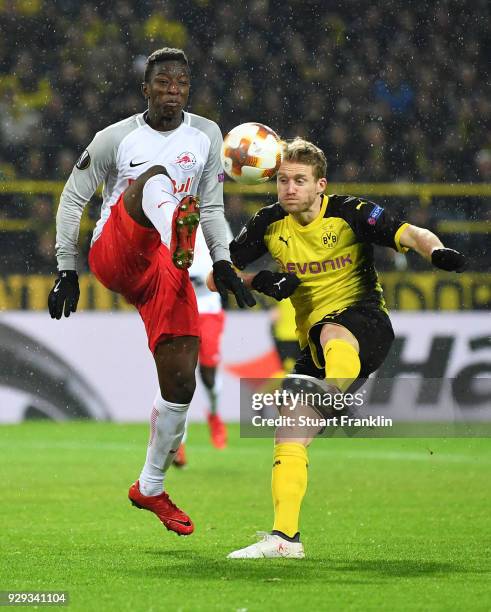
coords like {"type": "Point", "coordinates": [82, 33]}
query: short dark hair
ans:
{"type": "Point", "coordinates": [304, 152]}
{"type": "Point", "coordinates": [166, 54]}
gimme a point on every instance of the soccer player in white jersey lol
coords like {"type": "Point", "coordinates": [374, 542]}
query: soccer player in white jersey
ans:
{"type": "Point", "coordinates": [153, 167]}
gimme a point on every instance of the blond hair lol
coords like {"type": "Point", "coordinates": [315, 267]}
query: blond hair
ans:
{"type": "Point", "coordinates": [304, 152]}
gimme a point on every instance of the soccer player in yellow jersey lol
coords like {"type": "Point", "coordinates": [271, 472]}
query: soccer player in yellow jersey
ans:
{"type": "Point", "coordinates": [323, 244]}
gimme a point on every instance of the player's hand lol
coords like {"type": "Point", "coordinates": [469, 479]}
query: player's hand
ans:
{"type": "Point", "coordinates": [449, 260]}
{"type": "Point", "coordinates": [64, 295]}
{"type": "Point", "coordinates": [227, 280]}
{"type": "Point", "coordinates": [278, 285]}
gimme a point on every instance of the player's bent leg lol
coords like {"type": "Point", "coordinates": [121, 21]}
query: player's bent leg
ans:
{"type": "Point", "coordinates": [316, 399]}
{"type": "Point", "coordinates": [341, 354]}
{"type": "Point", "coordinates": [133, 196]}
{"type": "Point", "coordinates": [152, 202]}
{"type": "Point", "coordinates": [335, 331]}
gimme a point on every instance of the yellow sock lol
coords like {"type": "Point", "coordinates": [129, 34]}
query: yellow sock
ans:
{"type": "Point", "coordinates": [342, 363]}
{"type": "Point", "coordinates": [288, 484]}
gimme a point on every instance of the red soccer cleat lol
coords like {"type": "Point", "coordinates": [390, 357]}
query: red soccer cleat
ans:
{"type": "Point", "coordinates": [161, 505]}
{"type": "Point", "coordinates": [185, 223]}
{"type": "Point", "coordinates": [218, 431]}
{"type": "Point", "coordinates": [180, 460]}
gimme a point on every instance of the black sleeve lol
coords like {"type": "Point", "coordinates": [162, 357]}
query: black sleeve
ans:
{"type": "Point", "coordinates": [370, 222]}
{"type": "Point", "coordinates": [249, 244]}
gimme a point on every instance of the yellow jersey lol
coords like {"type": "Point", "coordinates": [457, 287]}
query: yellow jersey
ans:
{"type": "Point", "coordinates": [332, 255]}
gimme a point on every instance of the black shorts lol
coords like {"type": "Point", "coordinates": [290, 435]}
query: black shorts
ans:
{"type": "Point", "coordinates": [369, 324]}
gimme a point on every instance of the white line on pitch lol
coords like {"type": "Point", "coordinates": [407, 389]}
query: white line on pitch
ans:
{"type": "Point", "coordinates": [362, 454]}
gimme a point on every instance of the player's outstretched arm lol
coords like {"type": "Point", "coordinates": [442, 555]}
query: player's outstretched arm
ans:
{"type": "Point", "coordinates": [429, 246]}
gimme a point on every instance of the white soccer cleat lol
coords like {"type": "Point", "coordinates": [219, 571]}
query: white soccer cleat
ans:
{"type": "Point", "coordinates": [270, 547]}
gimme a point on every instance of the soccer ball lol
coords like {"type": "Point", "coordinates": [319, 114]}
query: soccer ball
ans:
{"type": "Point", "coordinates": [251, 153]}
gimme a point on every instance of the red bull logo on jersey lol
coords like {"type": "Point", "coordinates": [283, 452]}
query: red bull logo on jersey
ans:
{"type": "Point", "coordinates": [183, 187]}
{"type": "Point", "coordinates": [186, 160]}
{"type": "Point", "coordinates": [316, 267]}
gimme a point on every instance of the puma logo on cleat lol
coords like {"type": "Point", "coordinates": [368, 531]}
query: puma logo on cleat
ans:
{"type": "Point", "coordinates": [281, 239]}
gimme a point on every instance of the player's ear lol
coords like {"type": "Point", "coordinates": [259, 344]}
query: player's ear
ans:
{"type": "Point", "coordinates": [321, 185]}
{"type": "Point", "coordinates": [144, 90]}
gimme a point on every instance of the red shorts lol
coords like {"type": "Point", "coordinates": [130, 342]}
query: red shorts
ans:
{"type": "Point", "coordinates": [211, 325]}
{"type": "Point", "coordinates": [131, 260]}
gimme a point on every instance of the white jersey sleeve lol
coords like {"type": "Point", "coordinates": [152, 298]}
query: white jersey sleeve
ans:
{"type": "Point", "coordinates": [96, 165]}
{"type": "Point", "coordinates": [210, 191]}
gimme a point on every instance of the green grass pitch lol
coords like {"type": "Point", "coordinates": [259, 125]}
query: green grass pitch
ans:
{"type": "Point", "coordinates": [387, 524]}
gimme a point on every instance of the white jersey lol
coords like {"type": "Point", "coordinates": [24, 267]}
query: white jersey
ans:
{"type": "Point", "coordinates": [122, 152]}
{"type": "Point", "coordinates": [208, 301]}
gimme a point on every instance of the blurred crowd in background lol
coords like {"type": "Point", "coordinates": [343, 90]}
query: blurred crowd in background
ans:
{"type": "Point", "coordinates": [392, 92]}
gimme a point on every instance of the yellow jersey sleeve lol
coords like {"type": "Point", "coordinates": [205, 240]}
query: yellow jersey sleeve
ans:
{"type": "Point", "coordinates": [397, 238]}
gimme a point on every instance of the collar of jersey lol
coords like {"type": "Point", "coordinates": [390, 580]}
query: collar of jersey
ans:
{"type": "Point", "coordinates": [169, 132]}
{"type": "Point", "coordinates": [315, 222]}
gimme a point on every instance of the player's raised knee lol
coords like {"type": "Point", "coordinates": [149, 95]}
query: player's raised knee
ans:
{"type": "Point", "coordinates": [152, 171]}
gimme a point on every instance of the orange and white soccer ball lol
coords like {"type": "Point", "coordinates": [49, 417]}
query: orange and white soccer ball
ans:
{"type": "Point", "coordinates": [251, 153]}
